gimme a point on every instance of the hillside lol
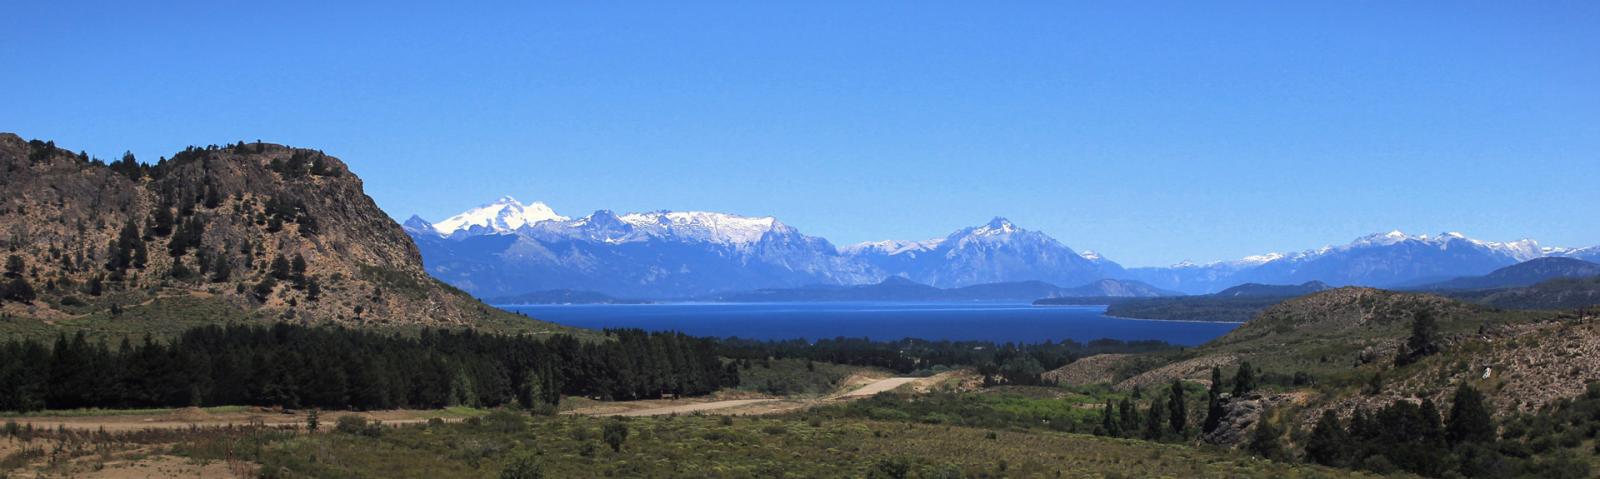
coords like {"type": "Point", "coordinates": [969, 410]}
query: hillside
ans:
{"type": "Point", "coordinates": [1273, 290]}
{"type": "Point", "coordinates": [242, 232]}
{"type": "Point", "coordinates": [1330, 345]}
{"type": "Point", "coordinates": [1561, 293]}
{"type": "Point", "coordinates": [1236, 304]}
{"type": "Point", "coordinates": [1526, 273]}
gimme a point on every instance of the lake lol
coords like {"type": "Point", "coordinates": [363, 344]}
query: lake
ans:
{"type": "Point", "coordinates": [999, 322]}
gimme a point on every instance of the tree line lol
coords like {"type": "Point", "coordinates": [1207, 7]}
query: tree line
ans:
{"type": "Point", "coordinates": [336, 368]}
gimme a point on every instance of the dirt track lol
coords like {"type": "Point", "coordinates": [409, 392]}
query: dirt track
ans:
{"type": "Point", "coordinates": [739, 406]}
{"type": "Point", "coordinates": [185, 418]}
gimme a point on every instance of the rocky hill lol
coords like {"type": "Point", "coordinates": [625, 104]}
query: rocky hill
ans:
{"type": "Point", "coordinates": [258, 231]}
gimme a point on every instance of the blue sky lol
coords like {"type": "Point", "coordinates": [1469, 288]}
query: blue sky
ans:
{"type": "Point", "coordinates": [1152, 132]}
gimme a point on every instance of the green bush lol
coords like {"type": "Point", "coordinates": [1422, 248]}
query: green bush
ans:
{"type": "Point", "coordinates": [505, 421]}
{"type": "Point", "coordinates": [358, 425]}
{"type": "Point", "coordinates": [615, 433]}
{"type": "Point", "coordinates": [523, 467]}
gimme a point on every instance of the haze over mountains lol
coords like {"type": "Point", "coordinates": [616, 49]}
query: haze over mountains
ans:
{"type": "Point", "coordinates": [509, 248]}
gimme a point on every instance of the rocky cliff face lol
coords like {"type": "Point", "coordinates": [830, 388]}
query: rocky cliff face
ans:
{"type": "Point", "coordinates": [280, 232]}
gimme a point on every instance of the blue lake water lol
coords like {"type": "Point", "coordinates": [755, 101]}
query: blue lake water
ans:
{"type": "Point", "coordinates": [998, 322]}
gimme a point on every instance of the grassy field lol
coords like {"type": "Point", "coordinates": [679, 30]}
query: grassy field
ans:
{"type": "Point", "coordinates": [788, 446]}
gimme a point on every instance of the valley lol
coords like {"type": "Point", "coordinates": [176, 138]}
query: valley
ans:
{"type": "Point", "coordinates": [275, 332]}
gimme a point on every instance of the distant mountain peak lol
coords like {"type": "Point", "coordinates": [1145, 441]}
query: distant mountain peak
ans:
{"type": "Point", "coordinates": [503, 215]}
{"type": "Point", "coordinates": [997, 226]}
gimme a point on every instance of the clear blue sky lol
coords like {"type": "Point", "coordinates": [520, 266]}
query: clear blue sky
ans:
{"type": "Point", "coordinates": [1153, 133]}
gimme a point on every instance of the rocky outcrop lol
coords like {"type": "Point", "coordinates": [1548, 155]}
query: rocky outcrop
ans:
{"type": "Point", "coordinates": [1242, 414]}
{"type": "Point", "coordinates": [283, 233]}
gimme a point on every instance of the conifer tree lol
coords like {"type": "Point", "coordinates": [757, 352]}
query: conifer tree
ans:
{"type": "Point", "coordinates": [1328, 443]}
{"type": "Point", "coordinates": [1245, 380]}
{"type": "Point", "coordinates": [1110, 423]}
{"type": "Point", "coordinates": [279, 269]}
{"type": "Point", "coordinates": [15, 266]}
{"type": "Point", "coordinates": [1154, 423]}
{"type": "Point", "coordinates": [1423, 340]}
{"type": "Point", "coordinates": [1266, 441]}
{"type": "Point", "coordinates": [1130, 417]}
{"type": "Point", "coordinates": [1214, 411]}
{"type": "Point", "coordinates": [1178, 409]}
{"type": "Point", "coordinates": [221, 269]}
{"type": "Point", "coordinates": [1470, 421]}
{"type": "Point", "coordinates": [297, 271]}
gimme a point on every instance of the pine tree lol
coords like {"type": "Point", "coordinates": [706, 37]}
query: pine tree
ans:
{"type": "Point", "coordinates": [1154, 423]}
{"type": "Point", "coordinates": [161, 222]}
{"type": "Point", "coordinates": [18, 289]}
{"type": "Point", "coordinates": [221, 269]}
{"type": "Point", "coordinates": [297, 270]}
{"type": "Point", "coordinates": [1470, 421]}
{"type": "Point", "coordinates": [1178, 409]}
{"type": "Point", "coordinates": [1328, 442]}
{"type": "Point", "coordinates": [1130, 417]}
{"type": "Point", "coordinates": [1432, 425]}
{"type": "Point", "coordinates": [1214, 411]}
{"type": "Point", "coordinates": [1110, 424]}
{"type": "Point", "coordinates": [127, 249]}
{"type": "Point", "coordinates": [1266, 440]}
{"type": "Point", "coordinates": [1245, 380]}
{"type": "Point", "coordinates": [1423, 340]}
{"type": "Point", "coordinates": [213, 199]}
{"type": "Point", "coordinates": [15, 266]}
{"type": "Point", "coordinates": [263, 290]}
{"type": "Point", "coordinates": [279, 269]}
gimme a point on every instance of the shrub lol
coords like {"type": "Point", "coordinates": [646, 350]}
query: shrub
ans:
{"type": "Point", "coordinates": [615, 433]}
{"type": "Point", "coordinates": [893, 468]}
{"type": "Point", "coordinates": [504, 420]}
{"type": "Point", "coordinates": [358, 425]}
{"type": "Point", "coordinates": [523, 467]}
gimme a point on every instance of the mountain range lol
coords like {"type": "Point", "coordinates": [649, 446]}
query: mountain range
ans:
{"type": "Point", "coordinates": [506, 248]}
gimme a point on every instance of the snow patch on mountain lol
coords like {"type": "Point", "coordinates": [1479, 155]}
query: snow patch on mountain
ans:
{"type": "Point", "coordinates": [704, 226]}
{"type": "Point", "coordinates": [890, 247]}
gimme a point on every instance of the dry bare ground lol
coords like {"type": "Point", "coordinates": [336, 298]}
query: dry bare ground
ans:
{"type": "Point", "coordinates": [855, 387]}
{"type": "Point", "coordinates": [1097, 369]}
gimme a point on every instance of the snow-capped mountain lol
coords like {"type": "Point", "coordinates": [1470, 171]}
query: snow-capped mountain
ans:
{"type": "Point", "coordinates": [504, 215]}
{"type": "Point", "coordinates": [1385, 260]}
{"type": "Point", "coordinates": [507, 247]}
{"type": "Point", "coordinates": [660, 254]}
{"type": "Point", "coordinates": [995, 252]}
{"type": "Point", "coordinates": [1591, 254]}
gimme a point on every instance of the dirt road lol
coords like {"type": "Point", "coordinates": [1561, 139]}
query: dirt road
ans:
{"type": "Point", "coordinates": [737, 406]}
{"type": "Point", "coordinates": [878, 387]}
{"type": "Point", "coordinates": [185, 418]}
